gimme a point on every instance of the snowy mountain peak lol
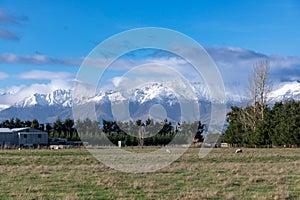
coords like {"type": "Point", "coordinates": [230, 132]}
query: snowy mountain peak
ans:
{"type": "Point", "coordinates": [60, 97]}
{"type": "Point", "coordinates": [286, 91]}
{"type": "Point", "coordinates": [155, 91]}
{"type": "Point", "coordinates": [57, 98]}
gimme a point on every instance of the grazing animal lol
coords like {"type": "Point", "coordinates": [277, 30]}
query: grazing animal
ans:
{"type": "Point", "coordinates": [54, 147]}
{"type": "Point", "coordinates": [239, 151]}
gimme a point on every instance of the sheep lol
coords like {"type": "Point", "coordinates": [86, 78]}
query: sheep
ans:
{"type": "Point", "coordinates": [54, 147]}
{"type": "Point", "coordinates": [239, 151]}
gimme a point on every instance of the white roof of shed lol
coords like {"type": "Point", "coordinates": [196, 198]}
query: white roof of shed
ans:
{"type": "Point", "coordinates": [19, 129]}
{"type": "Point", "coordinates": [5, 130]}
{"type": "Point", "coordinates": [8, 130]}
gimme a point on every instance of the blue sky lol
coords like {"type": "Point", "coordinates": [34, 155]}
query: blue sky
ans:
{"type": "Point", "coordinates": [44, 42]}
{"type": "Point", "coordinates": [73, 28]}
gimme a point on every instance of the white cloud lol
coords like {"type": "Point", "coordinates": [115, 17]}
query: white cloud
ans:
{"type": "Point", "coordinates": [170, 61]}
{"type": "Point", "coordinates": [17, 93]}
{"type": "Point", "coordinates": [117, 80]}
{"type": "Point", "coordinates": [3, 75]}
{"type": "Point", "coordinates": [38, 59]}
{"type": "Point", "coordinates": [44, 75]}
{"type": "Point", "coordinates": [234, 64]}
{"type": "Point", "coordinates": [143, 75]}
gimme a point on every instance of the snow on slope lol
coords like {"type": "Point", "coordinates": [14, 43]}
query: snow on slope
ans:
{"type": "Point", "coordinates": [155, 91]}
{"type": "Point", "coordinates": [56, 98]}
{"type": "Point", "coordinates": [158, 92]}
{"type": "Point", "coordinates": [286, 91]}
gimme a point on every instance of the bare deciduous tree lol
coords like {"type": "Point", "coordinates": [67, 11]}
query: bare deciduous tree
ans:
{"type": "Point", "coordinates": [260, 87]}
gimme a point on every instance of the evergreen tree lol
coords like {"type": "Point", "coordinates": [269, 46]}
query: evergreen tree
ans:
{"type": "Point", "coordinates": [58, 127]}
{"type": "Point", "coordinates": [35, 124]}
{"type": "Point", "coordinates": [235, 131]}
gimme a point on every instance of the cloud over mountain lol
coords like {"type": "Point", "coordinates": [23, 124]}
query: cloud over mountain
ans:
{"type": "Point", "coordinates": [44, 75]}
{"type": "Point", "coordinates": [235, 65]}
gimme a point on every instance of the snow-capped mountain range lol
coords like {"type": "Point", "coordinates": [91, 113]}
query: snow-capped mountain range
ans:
{"type": "Point", "coordinates": [48, 107]}
{"type": "Point", "coordinates": [156, 91]}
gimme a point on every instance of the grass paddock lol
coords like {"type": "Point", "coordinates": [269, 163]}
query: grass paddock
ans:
{"type": "Point", "coordinates": [222, 174]}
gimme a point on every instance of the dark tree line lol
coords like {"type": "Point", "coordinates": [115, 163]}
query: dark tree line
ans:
{"type": "Point", "coordinates": [140, 132]}
{"type": "Point", "coordinates": [279, 127]}
{"type": "Point", "coordinates": [148, 132]}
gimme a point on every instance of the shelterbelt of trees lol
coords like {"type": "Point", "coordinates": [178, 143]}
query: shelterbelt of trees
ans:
{"type": "Point", "coordinates": [140, 132]}
{"type": "Point", "coordinates": [149, 132]}
{"type": "Point", "coordinates": [259, 124]}
{"type": "Point", "coordinates": [279, 127]}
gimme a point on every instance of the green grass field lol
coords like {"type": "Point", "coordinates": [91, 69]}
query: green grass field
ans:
{"type": "Point", "coordinates": [222, 174]}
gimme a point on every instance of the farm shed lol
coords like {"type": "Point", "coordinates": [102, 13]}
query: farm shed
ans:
{"type": "Point", "coordinates": [22, 137]}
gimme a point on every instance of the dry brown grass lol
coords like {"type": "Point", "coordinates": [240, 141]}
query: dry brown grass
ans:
{"type": "Point", "coordinates": [222, 174]}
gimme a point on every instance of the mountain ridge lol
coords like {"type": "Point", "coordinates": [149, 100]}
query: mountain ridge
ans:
{"type": "Point", "coordinates": [58, 104]}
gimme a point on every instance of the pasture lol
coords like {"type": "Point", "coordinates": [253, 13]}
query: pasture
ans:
{"type": "Point", "coordinates": [222, 174]}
